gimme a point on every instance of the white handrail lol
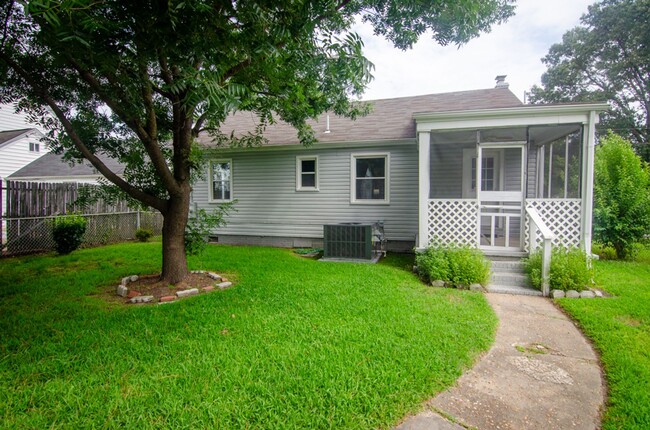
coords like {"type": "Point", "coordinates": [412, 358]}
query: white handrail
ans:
{"type": "Point", "coordinates": [536, 223]}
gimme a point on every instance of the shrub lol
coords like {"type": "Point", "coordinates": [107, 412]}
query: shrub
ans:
{"type": "Point", "coordinates": [604, 252]}
{"type": "Point", "coordinates": [621, 196]}
{"type": "Point", "coordinates": [433, 265]}
{"type": "Point", "coordinates": [143, 234]}
{"type": "Point", "coordinates": [68, 232]}
{"type": "Point", "coordinates": [201, 224]}
{"type": "Point", "coordinates": [569, 269]}
{"type": "Point", "coordinates": [460, 266]}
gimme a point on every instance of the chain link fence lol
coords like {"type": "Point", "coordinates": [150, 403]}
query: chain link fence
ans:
{"type": "Point", "coordinates": [34, 234]}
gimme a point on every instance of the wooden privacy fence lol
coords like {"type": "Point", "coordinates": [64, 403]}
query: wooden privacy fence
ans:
{"type": "Point", "coordinates": [27, 209]}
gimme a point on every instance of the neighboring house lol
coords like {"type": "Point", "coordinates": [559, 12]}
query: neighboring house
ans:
{"type": "Point", "coordinates": [19, 141]}
{"type": "Point", "coordinates": [52, 168]}
{"type": "Point", "coordinates": [413, 164]}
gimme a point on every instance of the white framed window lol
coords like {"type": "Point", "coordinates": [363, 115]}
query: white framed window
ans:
{"type": "Point", "coordinates": [34, 147]}
{"type": "Point", "coordinates": [221, 181]}
{"type": "Point", "coordinates": [307, 173]}
{"type": "Point", "coordinates": [370, 178]}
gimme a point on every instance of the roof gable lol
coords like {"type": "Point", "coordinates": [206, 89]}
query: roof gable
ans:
{"type": "Point", "coordinates": [9, 136]}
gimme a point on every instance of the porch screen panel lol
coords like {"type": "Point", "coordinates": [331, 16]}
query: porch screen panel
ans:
{"type": "Point", "coordinates": [447, 170]}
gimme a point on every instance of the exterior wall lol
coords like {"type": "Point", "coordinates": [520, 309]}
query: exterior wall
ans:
{"type": "Point", "coordinates": [10, 120]}
{"type": "Point", "coordinates": [268, 205]}
{"type": "Point", "coordinates": [16, 155]}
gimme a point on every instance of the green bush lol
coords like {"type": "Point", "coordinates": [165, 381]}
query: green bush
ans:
{"type": "Point", "coordinates": [68, 232]}
{"type": "Point", "coordinates": [200, 225]}
{"type": "Point", "coordinates": [603, 252]}
{"type": "Point", "coordinates": [459, 266]}
{"type": "Point", "coordinates": [143, 234]}
{"type": "Point", "coordinates": [569, 269]}
{"type": "Point", "coordinates": [621, 196]}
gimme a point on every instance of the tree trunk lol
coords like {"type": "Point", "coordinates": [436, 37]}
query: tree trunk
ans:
{"type": "Point", "coordinates": [173, 246]}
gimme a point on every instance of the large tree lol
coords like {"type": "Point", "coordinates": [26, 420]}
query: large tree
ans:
{"type": "Point", "coordinates": [605, 58]}
{"type": "Point", "coordinates": [139, 80]}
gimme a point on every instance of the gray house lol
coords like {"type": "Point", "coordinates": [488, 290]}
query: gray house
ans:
{"type": "Point", "coordinates": [413, 164]}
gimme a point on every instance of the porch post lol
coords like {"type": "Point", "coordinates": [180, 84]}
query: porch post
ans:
{"type": "Point", "coordinates": [424, 166]}
{"type": "Point", "coordinates": [589, 143]}
{"type": "Point", "coordinates": [478, 185]}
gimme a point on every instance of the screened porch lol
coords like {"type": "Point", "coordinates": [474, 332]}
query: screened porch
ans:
{"type": "Point", "coordinates": [534, 166]}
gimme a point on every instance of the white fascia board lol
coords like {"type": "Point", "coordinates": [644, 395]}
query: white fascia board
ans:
{"type": "Point", "coordinates": [333, 145]}
{"type": "Point", "coordinates": [508, 117]}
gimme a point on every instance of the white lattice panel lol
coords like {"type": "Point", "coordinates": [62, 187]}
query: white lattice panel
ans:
{"type": "Point", "coordinates": [562, 216]}
{"type": "Point", "coordinates": [453, 221]}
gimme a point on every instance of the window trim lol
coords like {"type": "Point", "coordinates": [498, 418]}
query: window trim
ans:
{"type": "Point", "coordinates": [211, 181]}
{"type": "Point", "coordinates": [299, 160]}
{"type": "Point", "coordinates": [353, 178]}
{"type": "Point", "coordinates": [34, 147]}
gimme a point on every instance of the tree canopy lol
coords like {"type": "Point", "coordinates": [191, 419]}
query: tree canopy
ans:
{"type": "Point", "coordinates": [605, 58]}
{"type": "Point", "coordinates": [139, 80]}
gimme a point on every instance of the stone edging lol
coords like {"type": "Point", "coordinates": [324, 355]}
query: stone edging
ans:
{"type": "Point", "coordinates": [573, 294]}
{"type": "Point", "coordinates": [134, 296]}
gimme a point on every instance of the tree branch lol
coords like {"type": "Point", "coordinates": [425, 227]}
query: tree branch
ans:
{"type": "Point", "coordinates": [149, 142]}
{"type": "Point", "coordinates": [134, 192]}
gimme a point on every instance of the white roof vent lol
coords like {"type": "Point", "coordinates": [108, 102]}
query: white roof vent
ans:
{"type": "Point", "coordinates": [501, 81]}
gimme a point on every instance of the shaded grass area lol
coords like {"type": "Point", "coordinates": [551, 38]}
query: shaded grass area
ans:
{"type": "Point", "coordinates": [297, 343]}
{"type": "Point", "coordinates": [620, 328]}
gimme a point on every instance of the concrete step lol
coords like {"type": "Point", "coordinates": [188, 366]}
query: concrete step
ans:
{"type": "Point", "coordinates": [509, 289]}
{"type": "Point", "coordinates": [508, 266]}
{"type": "Point", "coordinates": [512, 279]}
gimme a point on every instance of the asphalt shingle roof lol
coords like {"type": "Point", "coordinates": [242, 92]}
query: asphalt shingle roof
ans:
{"type": "Point", "coordinates": [390, 119]}
{"type": "Point", "coordinates": [53, 165]}
{"type": "Point", "coordinates": [6, 136]}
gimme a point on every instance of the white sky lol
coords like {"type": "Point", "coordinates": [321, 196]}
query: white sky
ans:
{"type": "Point", "coordinates": [514, 49]}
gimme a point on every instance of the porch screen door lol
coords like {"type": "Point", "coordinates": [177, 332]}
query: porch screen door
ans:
{"type": "Point", "coordinates": [501, 195]}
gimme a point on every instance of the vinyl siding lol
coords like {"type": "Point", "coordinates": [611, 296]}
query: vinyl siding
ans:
{"type": "Point", "coordinates": [16, 155]}
{"type": "Point", "coordinates": [264, 184]}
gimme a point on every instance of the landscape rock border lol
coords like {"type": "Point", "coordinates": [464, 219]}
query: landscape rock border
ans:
{"type": "Point", "coordinates": [573, 294]}
{"type": "Point", "coordinates": [135, 297]}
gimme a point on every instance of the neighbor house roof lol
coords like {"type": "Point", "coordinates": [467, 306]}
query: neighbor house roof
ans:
{"type": "Point", "coordinates": [8, 136]}
{"type": "Point", "coordinates": [389, 119]}
{"type": "Point", "coordinates": [53, 165]}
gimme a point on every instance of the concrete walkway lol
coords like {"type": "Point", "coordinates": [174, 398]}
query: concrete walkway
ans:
{"type": "Point", "coordinates": [540, 374]}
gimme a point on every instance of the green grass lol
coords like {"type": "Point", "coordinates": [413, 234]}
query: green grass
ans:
{"type": "Point", "coordinates": [620, 329]}
{"type": "Point", "coordinates": [296, 343]}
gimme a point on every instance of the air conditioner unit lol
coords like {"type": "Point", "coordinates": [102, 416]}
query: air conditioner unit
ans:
{"type": "Point", "coordinates": [347, 240]}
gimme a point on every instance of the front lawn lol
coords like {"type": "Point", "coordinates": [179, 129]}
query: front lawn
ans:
{"type": "Point", "coordinates": [296, 343]}
{"type": "Point", "coordinates": [620, 328]}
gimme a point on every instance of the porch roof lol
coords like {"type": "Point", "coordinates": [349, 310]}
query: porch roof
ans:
{"type": "Point", "coordinates": [518, 116]}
